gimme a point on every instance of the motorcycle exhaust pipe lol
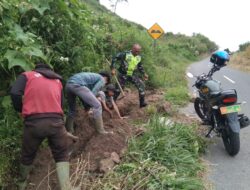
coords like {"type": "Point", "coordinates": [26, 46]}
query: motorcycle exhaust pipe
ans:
{"type": "Point", "coordinates": [244, 121]}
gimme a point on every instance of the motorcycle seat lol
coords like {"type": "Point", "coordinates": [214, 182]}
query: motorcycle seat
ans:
{"type": "Point", "coordinates": [224, 93]}
{"type": "Point", "coordinates": [229, 92]}
{"type": "Point", "coordinates": [215, 94]}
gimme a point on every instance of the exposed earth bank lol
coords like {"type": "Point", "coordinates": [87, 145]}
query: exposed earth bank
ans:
{"type": "Point", "coordinates": [96, 154]}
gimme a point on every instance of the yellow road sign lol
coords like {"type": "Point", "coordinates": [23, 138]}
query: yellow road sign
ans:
{"type": "Point", "coordinates": [155, 31]}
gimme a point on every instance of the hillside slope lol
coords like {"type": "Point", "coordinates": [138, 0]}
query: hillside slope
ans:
{"type": "Point", "coordinates": [74, 36]}
{"type": "Point", "coordinates": [241, 59]}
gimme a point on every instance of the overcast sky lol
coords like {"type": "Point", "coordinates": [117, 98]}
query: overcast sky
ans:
{"type": "Point", "coordinates": [226, 22]}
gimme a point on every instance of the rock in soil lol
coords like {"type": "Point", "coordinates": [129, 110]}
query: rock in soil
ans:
{"type": "Point", "coordinates": [106, 165]}
{"type": "Point", "coordinates": [115, 157]}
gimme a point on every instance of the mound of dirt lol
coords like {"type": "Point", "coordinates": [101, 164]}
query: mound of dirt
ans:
{"type": "Point", "coordinates": [98, 153]}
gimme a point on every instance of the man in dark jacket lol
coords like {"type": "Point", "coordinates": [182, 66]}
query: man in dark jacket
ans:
{"type": "Point", "coordinates": [86, 85]}
{"type": "Point", "coordinates": [130, 62]}
{"type": "Point", "coordinates": [37, 95]}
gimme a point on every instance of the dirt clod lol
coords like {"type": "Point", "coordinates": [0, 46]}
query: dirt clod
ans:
{"type": "Point", "coordinates": [115, 157]}
{"type": "Point", "coordinates": [140, 131]}
{"type": "Point", "coordinates": [164, 107]}
{"type": "Point", "coordinates": [106, 165]}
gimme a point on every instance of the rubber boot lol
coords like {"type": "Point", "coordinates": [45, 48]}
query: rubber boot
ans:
{"type": "Point", "coordinates": [24, 172]}
{"type": "Point", "coordinates": [69, 124]}
{"type": "Point", "coordinates": [142, 101]}
{"type": "Point", "coordinates": [99, 125]}
{"type": "Point", "coordinates": [62, 170]}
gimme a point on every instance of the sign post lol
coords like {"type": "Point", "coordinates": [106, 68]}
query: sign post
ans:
{"type": "Point", "coordinates": [155, 32]}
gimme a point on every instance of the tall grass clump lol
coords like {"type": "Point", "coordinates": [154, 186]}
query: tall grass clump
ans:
{"type": "Point", "coordinates": [165, 157]}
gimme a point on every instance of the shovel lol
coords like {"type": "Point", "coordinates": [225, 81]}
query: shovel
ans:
{"type": "Point", "coordinates": [117, 81]}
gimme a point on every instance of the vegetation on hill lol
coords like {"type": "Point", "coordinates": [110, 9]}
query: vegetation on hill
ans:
{"type": "Point", "coordinates": [244, 46]}
{"type": "Point", "coordinates": [241, 59]}
{"type": "Point", "coordinates": [74, 36]}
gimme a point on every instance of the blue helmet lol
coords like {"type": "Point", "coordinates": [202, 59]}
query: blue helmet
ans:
{"type": "Point", "coordinates": [220, 58]}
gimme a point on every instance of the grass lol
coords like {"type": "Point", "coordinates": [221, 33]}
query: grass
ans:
{"type": "Point", "coordinates": [164, 158]}
{"type": "Point", "coordinates": [178, 95]}
{"type": "Point", "coordinates": [175, 83]}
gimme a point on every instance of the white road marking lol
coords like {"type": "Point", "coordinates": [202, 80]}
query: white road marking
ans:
{"type": "Point", "coordinates": [230, 80]}
{"type": "Point", "coordinates": [190, 75]}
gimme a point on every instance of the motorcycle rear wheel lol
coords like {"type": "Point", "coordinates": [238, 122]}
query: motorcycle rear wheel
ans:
{"type": "Point", "coordinates": [231, 141]}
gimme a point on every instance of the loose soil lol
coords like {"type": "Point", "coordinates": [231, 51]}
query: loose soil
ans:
{"type": "Point", "coordinates": [92, 147]}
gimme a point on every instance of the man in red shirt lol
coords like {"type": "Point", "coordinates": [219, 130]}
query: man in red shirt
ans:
{"type": "Point", "coordinates": [38, 96]}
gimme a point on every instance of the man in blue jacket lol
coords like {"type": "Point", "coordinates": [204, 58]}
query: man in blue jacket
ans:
{"type": "Point", "coordinates": [86, 85]}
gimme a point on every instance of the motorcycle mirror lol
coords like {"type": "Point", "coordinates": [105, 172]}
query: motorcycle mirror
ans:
{"type": "Point", "coordinates": [190, 75]}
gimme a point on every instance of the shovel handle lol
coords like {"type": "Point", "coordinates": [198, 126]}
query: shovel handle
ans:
{"type": "Point", "coordinates": [117, 81]}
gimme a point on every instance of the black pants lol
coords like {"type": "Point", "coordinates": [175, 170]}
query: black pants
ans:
{"type": "Point", "coordinates": [36, 130]}
{"type": "Point", "coordinates": [135, 80]}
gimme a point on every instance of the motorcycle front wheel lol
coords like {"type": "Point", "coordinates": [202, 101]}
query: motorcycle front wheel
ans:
{"type": "Point", "coordinates": [200, 108]}
{"type": "Point", "coordinates": [231, 141]}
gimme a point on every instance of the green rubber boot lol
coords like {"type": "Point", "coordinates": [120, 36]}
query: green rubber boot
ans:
{"type": "Point", "coordinates": [99, 126]}
{"type": "Point", "coordinates": [62, 170]}
{"type": "Point", "coordinates": [69, 124]}
{"type": "Point", "coordinates": [24, 172]}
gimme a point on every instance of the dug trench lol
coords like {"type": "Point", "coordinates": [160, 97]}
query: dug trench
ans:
{"type": "Point", "coordinates": [96, 154]}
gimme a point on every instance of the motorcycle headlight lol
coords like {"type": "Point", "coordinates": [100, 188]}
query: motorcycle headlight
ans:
{"type": "Point", "coordinates": [204, 90]}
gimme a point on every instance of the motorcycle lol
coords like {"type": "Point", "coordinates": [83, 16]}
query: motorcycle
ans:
{"type": "Point", "coordinates": [219, 109]}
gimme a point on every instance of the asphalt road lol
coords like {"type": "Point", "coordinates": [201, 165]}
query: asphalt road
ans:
{"type": "Point", "coordinates": [228, 173]}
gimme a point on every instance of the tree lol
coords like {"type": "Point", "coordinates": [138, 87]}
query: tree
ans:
{"type": "Point", "coordinates": [243, 47]}
{"type": "Point", "coordinates": [114, 3]}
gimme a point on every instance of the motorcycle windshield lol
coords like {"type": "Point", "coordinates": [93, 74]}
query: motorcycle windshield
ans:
{"type": "Point", "coordinates": [213, 85]}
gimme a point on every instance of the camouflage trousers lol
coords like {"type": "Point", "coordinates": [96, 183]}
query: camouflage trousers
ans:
{"type": "Point", "coordinates": [135, 80]}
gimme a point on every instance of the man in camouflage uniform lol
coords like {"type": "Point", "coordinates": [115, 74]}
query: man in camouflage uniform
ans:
{"type": "Point", "coordinates": [130, 66]}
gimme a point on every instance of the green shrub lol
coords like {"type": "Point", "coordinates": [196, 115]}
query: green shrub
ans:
{"type": "Point", "coordinates": [10, 145]}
